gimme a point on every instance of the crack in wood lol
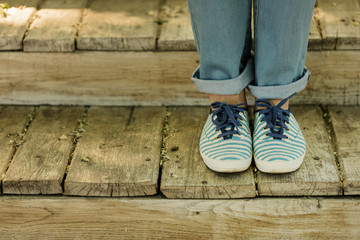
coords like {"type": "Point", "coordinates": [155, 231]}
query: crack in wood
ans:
{"type": "Point", "coordinates": [74, 143]}
{"type": "Point", "coordinates": [331, 131]}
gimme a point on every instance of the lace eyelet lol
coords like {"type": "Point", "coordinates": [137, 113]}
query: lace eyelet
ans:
{"type": "Point", "coordinates": [261, 120]}
{"type": "Point", "coordinates": [217, 137]}
{"type": "Point", "coordinates": [266, 134]}
{"type": "Point", "coordinates": [287, 130]}
{"type": "Point", "coordinates": [264, 128]}
{"type": "Point", "coordinates": [287, 137]}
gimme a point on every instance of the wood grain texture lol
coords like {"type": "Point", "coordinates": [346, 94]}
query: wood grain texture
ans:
{"type": "Point", "coordinates": [176, 32]}
{"type": "Point", "coordinates": [14, 25]}
{"type": "Point", "coordinates": [318, 173]}
{"type": "Point", "coordinates": [340, 23]}
{"type": "Point", "coordinates": [39, 164]}
{"type": "Point", "coordinates": [85, 77]}
{"type": "Point", "coordinates": [347, 130]}
{"type": "Point", "coordinates": [315, 40]}
{"type": "Point", "coordinates": [123, 152]}
{"type": "Point", "coordinates": [119, 25]}
{"type": "Point", "coordinates": [112, 218]}
{"type": "Point", "coordinates": [12, 122]}
{"type": "Point", "coordinates": [55, 27]}
{"type": "Point", "coordinates": [184, 174]}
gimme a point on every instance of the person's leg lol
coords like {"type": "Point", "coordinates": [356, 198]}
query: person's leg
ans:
{"type": "Point", "coordinates": [222, 33]}
{"type": "Point", "coordinates": [281, 29]}
{"type": "Point", "coordinates": [281, 38]}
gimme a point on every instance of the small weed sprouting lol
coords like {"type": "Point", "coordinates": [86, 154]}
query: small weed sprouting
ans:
{"type": "Point", "coordinates": [3, 9]}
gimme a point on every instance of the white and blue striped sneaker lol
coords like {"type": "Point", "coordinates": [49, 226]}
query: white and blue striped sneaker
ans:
{"type": "Point", "coordinates": [225, 142]}
{"type": "Point", "coordinates": [279, 145]}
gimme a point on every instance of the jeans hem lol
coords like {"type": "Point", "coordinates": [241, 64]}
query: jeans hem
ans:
{"type": "Point", "coordinates": [280, 91]}
{"type": "Point", "coordinates": [226, 86]}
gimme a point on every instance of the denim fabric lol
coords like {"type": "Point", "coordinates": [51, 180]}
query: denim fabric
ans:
{"type": "Point", "coordinates": [222, 33]}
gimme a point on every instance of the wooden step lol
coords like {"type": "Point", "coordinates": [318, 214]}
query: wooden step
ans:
{"type": "Point", "coordinates": [73, 52]}
{"type": "Point", "coordinates": [140, 151]}
{"type": "Point", "coordinates": [154, 218]}
{"type": "Point", "coordinates": [150, 78]}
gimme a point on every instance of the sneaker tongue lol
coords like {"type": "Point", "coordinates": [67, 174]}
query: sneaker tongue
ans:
{"type": "Point", "coordinates": [277, 126]}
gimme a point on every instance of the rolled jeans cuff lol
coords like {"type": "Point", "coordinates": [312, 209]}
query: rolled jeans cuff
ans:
{"type": "Point", "coordinates": [280, 91]}
{"type": "Point", "coordinates": [226, 86]}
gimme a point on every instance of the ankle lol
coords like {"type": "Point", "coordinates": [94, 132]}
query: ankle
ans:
{"type": "Point", "coordinates": [229, 99]}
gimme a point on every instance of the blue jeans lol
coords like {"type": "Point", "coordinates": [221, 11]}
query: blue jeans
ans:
{"type": "Point", "coordinates": [222, 33]}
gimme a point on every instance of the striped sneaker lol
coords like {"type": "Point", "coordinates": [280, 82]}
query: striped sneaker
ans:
{"type": "Point", "coordinates": [225, 142]}
{"type": "Point", "coordinates": [279, 145]}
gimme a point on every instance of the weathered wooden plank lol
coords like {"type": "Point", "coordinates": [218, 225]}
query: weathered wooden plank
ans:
{"type": "Point", "coordinates": [340, 23]}
{"type": "Point", "coordinates": [119, 25]}
{"type": "Point", "coordinates": [315, 40]}
{"type": "Point", "coordinates": [14, 25]}
{"type": "Point", "coordinates": [84, 77]}
{"type": "Point", "coordinates": [12, 123]}
{"type": "Point", "coordinates": [347, 130]}
{"type": "Point", "coordinates": [39, 164]}
{"type": "Point", "coordinates": [55, 26]}
{"type": "Point", "coordinates": [334, 78]}
{"type": "Point", "coordinates": [184, 174]}
{"type": "Point", "coordinates": [119, 218]}
{"type": "Point", "coordinates": [119, 154]}
{"type": "Point", "coordinates": [318, 173]}
{"type": "Point", "coordinates": [176, 32]}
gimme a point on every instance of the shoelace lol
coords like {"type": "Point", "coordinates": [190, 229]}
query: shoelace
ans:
{"type": "Point", "coordinates": [275, 117]}
{"type": "Point", "coordinates": [226, 116]}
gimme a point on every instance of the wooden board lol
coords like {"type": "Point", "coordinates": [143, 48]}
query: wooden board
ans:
{"type": "Point", "coordinates": [315, 39]}
{"type": "Point", "coordinates": [340, 23]}
{"type": "Point", "coordinates": [86, 77]}
{"type": "Point", "coordinates": [184, 174]}
{"type": "Point", "coordinates": [176, 32]}
{"type": "Point", "coordinates": [112, 218]}
{"type": "Point", "coordinates": [12, 124]}
{"type": "Point", "coordinates": [55, 26]}
{"type": "Point", "coordinates": [122, 147]}
{"type": "Point", "coordinates": [39, 164]}
{"type": "Point", "coordinates": [347, 130]}
{"type": "Point", "coordinates": [14, 25]}
{"type": "Point", "coordinates": [318, 173]}
{"type": "Point", "coordinates": [119, 25]}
